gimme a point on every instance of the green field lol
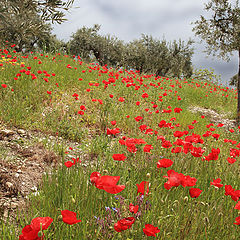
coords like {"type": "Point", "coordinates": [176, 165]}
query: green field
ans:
{"type": "Point", "coordinates": [146, 119]}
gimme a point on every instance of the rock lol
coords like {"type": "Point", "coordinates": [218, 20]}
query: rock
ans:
{"type": "Point", "coordinates": [6, 132]}
{"type": "Point", "coordinates": [14, 205]}
{"type": "Point", "coordinates": [5, 214]}
{"type": "Point", "coordinates": [9, 184]}
{"type": "Point", "coordinates": [34, 189]}
{"type": "Point", "coordinates": [21, 131]}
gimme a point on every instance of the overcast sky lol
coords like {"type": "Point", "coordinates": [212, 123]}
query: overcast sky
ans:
{"type": "Point", "coordinates": [128, 19]}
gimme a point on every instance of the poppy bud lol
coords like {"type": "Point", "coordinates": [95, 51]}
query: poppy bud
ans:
{"type": "Point", "coordinates": [59, 218]}
{"type": "Point", "coordinates": [73, 200]}
{"type": "Point", "coordinates": [148, 175]}
{"type": "Point", "coordinates": [185, 199]}
{"type": "Point", "coordinates": [40, 234]}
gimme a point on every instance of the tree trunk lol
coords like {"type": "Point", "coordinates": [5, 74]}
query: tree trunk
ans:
{"type": "Point", "coordinates": [238, 90]}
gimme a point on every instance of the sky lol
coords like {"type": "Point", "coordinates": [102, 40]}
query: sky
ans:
{"type": "Point", "coordinates": [128, 19]}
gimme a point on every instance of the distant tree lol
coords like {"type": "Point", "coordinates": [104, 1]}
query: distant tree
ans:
{"type": "Point", "coordinates": [146, 54]}
{"type": "Point", "coordinates": [90, 45]}
{"type": "Point", "coordinates": [160, 57]}
{"type": "Point", "coordinates": [222, 33]}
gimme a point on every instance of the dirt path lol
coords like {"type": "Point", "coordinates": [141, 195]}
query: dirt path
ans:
{"type": "Point", "coordinates": [214, 117]}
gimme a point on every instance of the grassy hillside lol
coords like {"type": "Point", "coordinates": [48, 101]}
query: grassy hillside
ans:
{"type": "Point", "coordinates": [144, 118]}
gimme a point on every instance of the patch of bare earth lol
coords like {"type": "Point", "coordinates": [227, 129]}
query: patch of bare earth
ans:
{"type": "Point", "coordinates": [214, 117]}
{"type": "Point", "coordinates": [21, 170]}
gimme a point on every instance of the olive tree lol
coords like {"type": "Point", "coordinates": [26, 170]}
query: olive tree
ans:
{"type": "Point", "coordinates": [222, 33]}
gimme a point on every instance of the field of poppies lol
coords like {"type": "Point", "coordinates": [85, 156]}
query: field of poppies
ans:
{"type": "Point", "coordinates": [150, 167]}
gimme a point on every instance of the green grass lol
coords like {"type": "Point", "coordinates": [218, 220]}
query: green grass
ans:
{"type": "Point", "coordinates": [174, 212]}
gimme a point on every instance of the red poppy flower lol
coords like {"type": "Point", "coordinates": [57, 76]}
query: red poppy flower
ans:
{"type": "Point", "coordinates": [138, 118]}
{"type": "Point", "coordinates": [195, 192]}
{"type": "Point", "coordinates": [237, 221]}
{"type": "Point", "coordinates": [124, 224]}
{"type": "Point", "coordinates": [133, 209]}
{"type": "Point", "coordinates": [237, 206]}
{"type": "Point", "coordinates": [113, 122]}
{"type": "Point", "coordinates": [143, 127]}
{"type": "Point", "coordinates": [235, 194]}
{"type": "Point", "coordinates": [231, 160]}
{"type": "Point", "coordinates": [119, 157]}
{"type": "Point", "coordinates": [121, 99]}
{"type": "Point", "coordinates": [174, 179]}
{"type": "Point", "coordinates": [162, 124]}
{"type": "Point", "coordinates": [216, 136]}
{"type": "Point", "coordinates": [150, 230]}
{"type": "Point", "coordinates": [177, 110]}
{"type": "Point", "coordinates": [216, 183]}
{"type": "Point", "coordinates": [197, 152]}
{"type": "Point", "coordinates": [30, 232]}
{"type": "Point", "coordinates": [144, 95]}
{"type": "Point", "coordinates": [176, 150]}
{"type": "Point", "coordinates": [147, 148]}
{"type": "Point", "coordinates": [143, 188]}
{"type": "Point", "coordinates": [113, 131]}
{"type": "Point", "coordinates": [107, 183]}
{"type": "Point", "coordinates": [213, 155]}
{"type": "Point", "coordinates": [4, 85]}
{"type": "Point", "coordinates": [69, 217]}
{"type": "Point", "coordinates": [166, 144]}
{"type": "Point", "coordinates": [82, 107]}
{"type": "Point", "coordinates": [164, 163]}
{"type": "Point", "coordinates": [178, 134]}
{"type": "Point", "coordinates": [81, 112]}
{"type": "Point", "coordinates": [69, 164]}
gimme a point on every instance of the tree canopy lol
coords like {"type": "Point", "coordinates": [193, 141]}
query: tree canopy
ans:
{"type": "Point", "coordinates": [145, 54]}
{"type": "Point", "coordinates": [26, 23]}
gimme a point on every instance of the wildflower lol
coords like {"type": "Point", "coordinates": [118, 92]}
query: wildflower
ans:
{"type": "Point", "coordinates": [132, 208]}
{"type": "Point", "coordinates": [107, 183]}
{"type": "Point", "coordinates": [164, 163]}
{"type": "Point", "coordinates": [237, 206]}
{"type": "Point", "coordinates": [216, 183]}
{"type": "Point", "coordinates": [150, 230]}
{"type": "Point", "coordinates": [69, 217]}
{"type": "Point", "coordinates": [237, 221]}
{"type": "Point", "coordinates": [143, 188]}
{"type": "Point", "coordinates": [30, 232]}
{"type": "Point", "coordinates": [119, 157]}
{"type": "Point", "coordinates": [124, 224]}
{"type": "Point", "coordinates": [195, 192]}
